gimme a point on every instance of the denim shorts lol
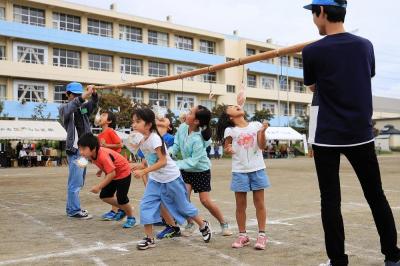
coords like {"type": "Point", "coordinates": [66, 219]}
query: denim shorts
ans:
{"type": "Point", "coordinates": [245, 182]}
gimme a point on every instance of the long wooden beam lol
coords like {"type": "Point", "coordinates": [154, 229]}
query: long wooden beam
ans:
{"type": "Point", "coordinates": [241, 61]}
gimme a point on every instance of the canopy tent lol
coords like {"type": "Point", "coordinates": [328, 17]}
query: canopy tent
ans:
{"type": "Point", "coordinates": [283, 133]}
{"type": "Point", "coordinates": [32, 130]}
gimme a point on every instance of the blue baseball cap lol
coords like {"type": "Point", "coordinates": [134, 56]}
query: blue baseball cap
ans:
{"type": "Point", "coordinates": [75, 87]}
{"type": "Point", "coordinates": [325, 3]}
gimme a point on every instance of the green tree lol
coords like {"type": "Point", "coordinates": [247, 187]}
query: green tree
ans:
{"type": "Point", "coordinates": [261, 115]}
{"type": "Point", "coordinates": [1, 106]}
{"type": "Point", "coordinates": [39, 111]}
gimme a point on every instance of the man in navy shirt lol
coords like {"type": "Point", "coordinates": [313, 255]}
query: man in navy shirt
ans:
{"type": "Point", "coordinates": [339, 68]}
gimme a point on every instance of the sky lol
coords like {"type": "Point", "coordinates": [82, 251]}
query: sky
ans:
{"type": "Point", "coordinates": [286, 22]}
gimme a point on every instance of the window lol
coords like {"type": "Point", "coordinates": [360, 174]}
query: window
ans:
{"type": "Point", "coordinates": [207, 47]}
{"type": "Point", "coordinates": [66, 22]}
{"type": "Point", "coordinates": [210, 104]}
{"type": "Point", "coordinates": [157, 69]}
{"type": "Point", "coordinates": [299, 87]}
{"type": "Point", "coordinates": [3, 92]}
{"type": "Point", "coordinates": [300, 109]}
{"type": "Point", "coordinates": [269, 106]}
{"type": "Point", "coordinates": [250, 108]}
{"type": "Point", "coordinates": [66, 58]}
{"type": "Point", "coordinates": [185, 102]}
{"type": "Point", "coordinates": [184, 43]}
{"type": "Point", "coordinates": [59, 94]}
{"type": "Point", "coordinates": [285, 61]}
{"type": "Point", "coordinates": [250, 51]}
{"type": "Point", "coordinates": [135, 95]}
{"type": "Point", "coordinates": [181, 69]}
{"type": "Point", "coordinates": [210, 77]}
{"type": "Point", "coordinates": [228, 59]}
{"type": "Point", "coordinates": [28, 53]}
{"type": "Point", "coordinates": [284, 109]}
{"type": "Point", "coordinates": [298, 62]}
{"type": "Point", "coordinates": [100, 28]}
{"type": "Point", "coordinates": [230, 88]}
{"type": "Point", "coordinates": [100, 62]}
{"type": "Point", "coordinates": [2, 53]}
{"type": "Point", "coordinates": [163, 99]}
{"type": "Point", "coordinates": [129, 33]}
{"type": "Point", "coordinates": [251, 80]}
{"type": "Point", "coordinates": [158, 38]}
{"type": "Point", "coordinates": [2, 13]}
{"type": "Point", "coordinates": [29, 15]}
{"type": "Point", "coordinates": [30, 91]}
{"type": "Point", "coordinates": [131, 66]}
{"type": "Point", "coordinates": [283, 83]}
{"type": "Point", "coordinates": [267, 82]}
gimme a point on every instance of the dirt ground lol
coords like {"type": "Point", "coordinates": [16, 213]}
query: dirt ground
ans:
{"type": "Point", "coordinates": [35, 231]}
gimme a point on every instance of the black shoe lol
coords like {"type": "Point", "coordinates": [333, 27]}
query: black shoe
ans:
{"type": "Point", "coordinates": [82, 215]}
{"type": "Point", "coordinates": [146, 243]}
{"type": "Point", "coordinates": [206, 232]}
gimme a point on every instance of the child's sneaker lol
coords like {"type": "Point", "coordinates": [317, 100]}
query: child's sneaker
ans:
{"type": "Point", "coordinates": [261, 242]}
{"type": "Point", "coordinates": [120, 215]}
{"type": "Point", "coordinates": [328, 263]}
{"type": "Point", "coordinates": [241, 241]}
{"type": "Point", "coordinates": [82, 215]}
{"type": "Point", "coordinates": [169, 232]}
{"type": "Point", "coordinates": [130, 222]}
{"type": "Point", "coordinates": [189, 229]}
{"type": "Point", "coordinates": [146, 243]}
{"type": "Point", "coordinates": [225, 229]}
{"type": "Point", "coordinates": [206, 232]}
{"type": "Point", "coordinates": [108, 216]}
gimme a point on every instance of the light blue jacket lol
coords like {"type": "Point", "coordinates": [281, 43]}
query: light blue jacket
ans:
{"type": "Point", "coordinates": [192, 148]}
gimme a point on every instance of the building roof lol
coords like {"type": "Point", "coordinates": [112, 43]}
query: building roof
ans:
{"type": "Point", "coordinates": [387, 105]}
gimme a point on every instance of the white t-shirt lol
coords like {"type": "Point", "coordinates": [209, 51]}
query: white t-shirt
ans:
{"type": "Point", "coordinates": [170, 171]}
{"type": "Point", "coordinates": [247, 155]}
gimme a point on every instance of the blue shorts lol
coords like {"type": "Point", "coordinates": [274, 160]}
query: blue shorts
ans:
{"type": "Point", "coordinates": [245, 182]}
{"type": "Point", "coordinates": [172, 195]}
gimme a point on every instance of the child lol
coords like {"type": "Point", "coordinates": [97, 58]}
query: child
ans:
{"type": "Point", "coordinates": [118, 175]}
{"type": "Point", "coordinates": [245, 142]}
{"type": "Point", "coordinates": [165, 184]}
{"type": "Point", "coordinates": [191, 141]}
{"type": "Point", "coordinates": [109, 139]}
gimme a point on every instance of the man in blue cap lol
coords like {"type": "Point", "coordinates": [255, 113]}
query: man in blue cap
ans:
{"type": "Point", "coordinates": [75, 119]}
{"type": "Point", "coordinates": [339, 68]}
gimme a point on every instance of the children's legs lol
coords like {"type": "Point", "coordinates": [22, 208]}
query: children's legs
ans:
{"type": "Point", "coordinates": [127, 208]}
{"type": "Point", "coordinates": [167, 216]}
{"type": "Point", "coordinates": [241, 205]}
{"type": "Point", "coordinates": [148, 230]}
{"type": "Point", "coordinates": [189, 192]}
{"type": "Point", "coordinates": [261, 211]}
{"type": "Point", "coordinates": [205, 199]}
{"type": "Point", "coordinates": [114, 208]}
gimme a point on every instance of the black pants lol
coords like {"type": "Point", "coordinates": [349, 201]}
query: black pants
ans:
{"type": "Point", "coordinates": [365, 164]}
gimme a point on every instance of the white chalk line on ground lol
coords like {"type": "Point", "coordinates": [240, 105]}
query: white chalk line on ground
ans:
{"type": "Point", "coordinates": [57, 233]}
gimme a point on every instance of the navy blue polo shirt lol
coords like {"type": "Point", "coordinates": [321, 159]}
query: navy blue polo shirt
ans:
{"type": "Point", "coordinates": [341, 67]}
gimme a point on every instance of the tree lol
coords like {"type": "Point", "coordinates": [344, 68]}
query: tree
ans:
{"type": "Point", "coordinates": [174, 119]}
{"type": "Point", "coordinates": [39, 111]}
{"type": "Point", "coordinates": [301, 123]}
{"type": "Point", "coordinates": [1, 106]}
{"type": "Point", "coordinates": [261, 115]}
{"type": "Point", "coordinates": [120, 105]}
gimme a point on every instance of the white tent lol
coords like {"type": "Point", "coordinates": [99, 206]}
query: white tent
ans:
{"type": "Point", "coordinates": [282, 133]}
{"type": "Point", "coordinates": [32, 130]}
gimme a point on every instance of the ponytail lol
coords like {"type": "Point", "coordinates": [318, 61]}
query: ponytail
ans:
{"type": "Point", "coordinates": [204, 117]}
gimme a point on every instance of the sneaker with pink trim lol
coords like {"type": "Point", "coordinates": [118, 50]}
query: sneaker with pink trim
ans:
{"type": "Point", "coordinates": [261, 242]}
{"type": "Point", "coordinates": [241, 241]}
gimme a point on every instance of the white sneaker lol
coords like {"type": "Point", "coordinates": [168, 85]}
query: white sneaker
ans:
{"type": "Point", "coordinates": [328, 263]}
{"type": "Point", "coordinates": [189, 229]}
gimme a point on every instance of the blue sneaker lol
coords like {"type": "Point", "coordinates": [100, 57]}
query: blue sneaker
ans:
{"type": "Point", "coordinates": [108, 216]}
{"type": "Point", "coordinates": [169, 232]}
{"type": "Point", "coordinates": [130, 222]}
{"type": "Point", "coordinates": [120, 215]}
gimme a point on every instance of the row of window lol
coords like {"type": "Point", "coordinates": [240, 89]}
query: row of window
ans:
{"type": "Point", "coordinates": [283, 60]}
{"type": "Point", "coordinates": [61, 21]}
{"type": "Point", "coordinates": [268, 82]}
{"type": "Point", "coordinates": [36, 54]}
{"type": "Point", "coordinates": [299, 108]}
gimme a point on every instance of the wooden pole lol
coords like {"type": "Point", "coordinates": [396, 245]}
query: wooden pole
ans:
{"type": "Point", "coordinates": [241, 61]}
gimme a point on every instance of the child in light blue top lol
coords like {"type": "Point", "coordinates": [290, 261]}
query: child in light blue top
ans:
{"type": "Point", "coordinates": [191, 140]}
